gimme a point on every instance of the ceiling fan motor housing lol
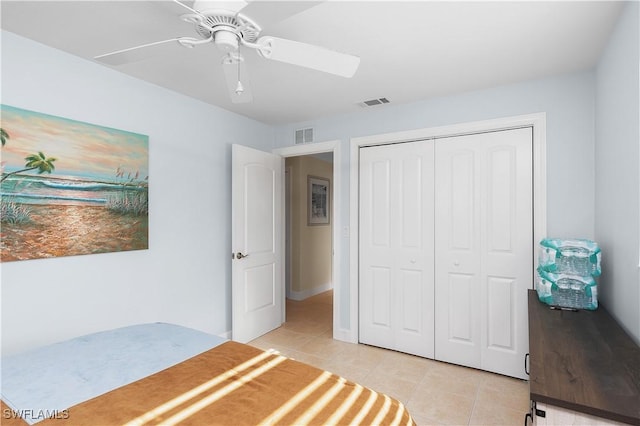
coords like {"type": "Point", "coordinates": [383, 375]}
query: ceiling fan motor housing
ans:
{"type": "Point", "coordinates": [225, 26]}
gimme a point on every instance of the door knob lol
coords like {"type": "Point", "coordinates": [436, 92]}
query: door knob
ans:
{"type": "Point", "coordinates": [240, 255]}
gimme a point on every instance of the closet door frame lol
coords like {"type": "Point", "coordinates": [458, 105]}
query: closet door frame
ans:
{"type": "Point", "coordinates": [536, 121]}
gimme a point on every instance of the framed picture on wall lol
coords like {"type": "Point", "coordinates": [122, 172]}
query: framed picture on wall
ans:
{"type": "Point", "coordinates": [318, 201]}
{"type": "Point", "coordinates": [70, 188]}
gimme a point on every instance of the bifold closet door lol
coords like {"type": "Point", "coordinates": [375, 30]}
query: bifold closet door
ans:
{"type": "Point", "coordinates": [396, 247]}
{"type": "Point", "coordinates": [484, 243]}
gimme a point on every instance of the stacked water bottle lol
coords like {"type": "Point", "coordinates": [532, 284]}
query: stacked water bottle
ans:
{"type": "Point", "coordinates": [567, 271]}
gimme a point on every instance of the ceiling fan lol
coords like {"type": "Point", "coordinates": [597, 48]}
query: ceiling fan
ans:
{"type": "Point", "coordinates": [222, 24]}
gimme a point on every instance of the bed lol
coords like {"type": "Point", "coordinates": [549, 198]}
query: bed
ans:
{"type": "Point", "coordinates": [167, 374]}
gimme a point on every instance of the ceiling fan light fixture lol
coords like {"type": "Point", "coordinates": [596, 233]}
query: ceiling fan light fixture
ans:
{"type": "Point", "coordinates": [226, 41]}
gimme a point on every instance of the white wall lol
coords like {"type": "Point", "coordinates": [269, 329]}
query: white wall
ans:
{"type": "Point", "coordinates": [184, 277]}
{"type": "Point", "coordinates": [617, 189]}
{"type": "Point", "coordinates": [569, 105]}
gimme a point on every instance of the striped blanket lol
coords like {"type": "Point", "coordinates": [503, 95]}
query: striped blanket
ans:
{"type": "Point", "coordinates": [237, 384]}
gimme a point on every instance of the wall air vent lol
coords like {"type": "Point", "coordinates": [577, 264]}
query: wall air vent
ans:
{"type": "Point", "coordinates": [304, 135]}
{"type": "Point", "coordinates": [374, 102]}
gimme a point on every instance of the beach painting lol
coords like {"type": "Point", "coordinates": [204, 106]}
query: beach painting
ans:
{"type": "Point", "coordinates": [70, 188]}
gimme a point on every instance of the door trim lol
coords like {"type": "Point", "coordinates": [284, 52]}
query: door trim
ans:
{"type": "Point", "coordinates": [287, 231]}
{"type": "Point", "coordinates": [339, 333]}
{"type": "Point", "coordinates": [537, 121]}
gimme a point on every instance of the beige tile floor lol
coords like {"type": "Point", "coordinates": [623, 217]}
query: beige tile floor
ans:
{"type": "Point", "coordinates": [436, 393]}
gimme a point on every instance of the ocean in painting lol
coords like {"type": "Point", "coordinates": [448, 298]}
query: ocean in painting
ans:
{"type": "Point", "coordinates": [60, 191]}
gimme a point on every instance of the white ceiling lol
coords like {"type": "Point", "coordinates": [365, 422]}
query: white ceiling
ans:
{"type": "Point", "coordinates": [409, 50]}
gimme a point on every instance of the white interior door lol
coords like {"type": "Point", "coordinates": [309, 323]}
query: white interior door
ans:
{"type": "Point", "coordinates": [396, 247]}
{"type": "Point", "coordinates": [256, 216]}
{"type": "Point", "coordinates": [484, 257]}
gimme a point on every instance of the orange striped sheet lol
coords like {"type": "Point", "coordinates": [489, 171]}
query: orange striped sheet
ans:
{"type": "Point", "coordinates": [236, 384]}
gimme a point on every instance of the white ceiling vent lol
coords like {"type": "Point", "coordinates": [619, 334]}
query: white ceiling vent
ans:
{"type": "Point", "coordinates": [374, 102]}
{"type": "Point", "coordinates": [304, 135]}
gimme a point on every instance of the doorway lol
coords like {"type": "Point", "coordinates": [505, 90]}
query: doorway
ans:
{"type": "Point", "coordinates": [332, 148]}
{"type": "Point", "coordinates": [308, 233]}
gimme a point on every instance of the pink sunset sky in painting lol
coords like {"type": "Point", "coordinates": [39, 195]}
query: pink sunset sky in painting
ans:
{"type": "Point", "coordinates": [81, 149]}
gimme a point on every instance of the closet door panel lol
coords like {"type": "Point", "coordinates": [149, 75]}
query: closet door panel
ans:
{"type": "Point", "coordinates": [460, 189]}
{"type": "Point", "coordinates": [460, 307]}
{"type": "Point", "coordinates": [381, 296]}
{"type": "Point", "coordinates": [404, 246]}
{"type": "Point", "coordinates": [501, 207]}
{"type": "Point", "coordinates": [484, 230]}
{"type": "Point", "coordinates": [410, 297]}
{"type": "Point", "coordinates": [411, 203]}
{"type": "Point", "coordinates": [501, 323]}
{"type": "Point", "coordinates": [457, 260]}
{"type": "Point", "coordinates": [378, 201]}
{"type": "Point", "coordinates": [375, 275]}
{"type": "Point", "coordinates": [508, 252]}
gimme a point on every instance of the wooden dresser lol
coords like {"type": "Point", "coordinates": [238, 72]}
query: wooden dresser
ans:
{"type": "Point", "coordinates": [583, 367]}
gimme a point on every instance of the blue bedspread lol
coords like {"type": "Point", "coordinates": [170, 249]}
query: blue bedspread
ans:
{"type": "Point", "coordinates": [56, 377]}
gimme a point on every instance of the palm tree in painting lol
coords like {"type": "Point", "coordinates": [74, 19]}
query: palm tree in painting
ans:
{"type": "Point", "coordinates": [3, 136]}
{"type": "Point", "coordinates": [38, 161]}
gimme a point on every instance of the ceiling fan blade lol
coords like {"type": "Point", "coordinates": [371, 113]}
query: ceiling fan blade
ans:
{"type": "Point", "coordinates": [267, 13]}
{"type": "Point", "coordinates": [309, 56]}
{"type": "Point", "coordinates": [137, 53]}
{"type": "Point", "coordinates": [230, 69]}
{"type": "Point", "coordinates": [186, 7]}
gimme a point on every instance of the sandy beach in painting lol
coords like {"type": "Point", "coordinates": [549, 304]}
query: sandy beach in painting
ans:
{"type": "Point", "coordinates": [61, 230]}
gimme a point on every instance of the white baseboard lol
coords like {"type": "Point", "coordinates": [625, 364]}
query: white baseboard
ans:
{"type": "Point", "coordinates": [225, 335]}
{"type": "Point", "coordinates": [301, 295]}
